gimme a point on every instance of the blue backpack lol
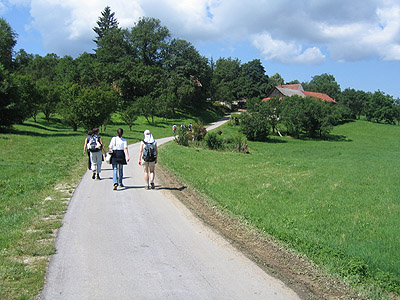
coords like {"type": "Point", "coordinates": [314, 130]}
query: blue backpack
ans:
{"type": "Point", "coordinates": [94, 144]}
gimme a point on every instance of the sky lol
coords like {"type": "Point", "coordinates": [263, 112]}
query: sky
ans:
{"type": "Point", "coordinates": [357, 41]}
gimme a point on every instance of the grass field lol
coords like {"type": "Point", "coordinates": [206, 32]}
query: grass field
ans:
{"type": "Point", "coordinates": [336, 201]}
{"type": "Point", "coordinates": [41, 164]}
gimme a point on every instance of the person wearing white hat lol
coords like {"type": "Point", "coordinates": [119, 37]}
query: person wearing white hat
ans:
{"type": "Point", "coordinates": [148, 158]}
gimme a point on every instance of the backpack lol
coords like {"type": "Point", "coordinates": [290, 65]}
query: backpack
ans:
{"type": "Point", "coordinates": [149, 152]}
{"type": "Point", "coordinates": [94, 144]}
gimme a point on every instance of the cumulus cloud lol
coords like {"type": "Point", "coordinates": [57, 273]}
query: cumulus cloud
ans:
{"type": "Point", "coordinates": [286, 52]}
{"type": "Point", "coordinates": [278, 29]}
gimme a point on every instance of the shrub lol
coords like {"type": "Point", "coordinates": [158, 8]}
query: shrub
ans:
{"type": "Point", "coordinates": [198, 132]}
{"type": "Point", "coordinates": [183, 137]}
{"type": "Point", "coordinates": [214, 141]}
{"type": "Point", "coordinates": [255, 126]}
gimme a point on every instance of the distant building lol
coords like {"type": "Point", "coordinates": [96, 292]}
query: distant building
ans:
{"type": "Point", "coordinates": [289, 90]}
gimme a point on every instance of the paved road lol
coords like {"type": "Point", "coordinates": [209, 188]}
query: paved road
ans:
{"type": "Point", "coordinates": [138, 244]}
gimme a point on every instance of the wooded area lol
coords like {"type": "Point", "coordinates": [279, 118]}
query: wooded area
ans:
{"type": "Point", "coordinates": [145, 71]}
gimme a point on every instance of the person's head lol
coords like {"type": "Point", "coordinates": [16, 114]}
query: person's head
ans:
{"type": "Point", "coordinates": [146, 132]}
{"type": "Point", "coordinates": [120, 132]}
{"type": "Point", "coordinates": [90, 132]}
{"type": "Point", "coordinates": [95, 131]}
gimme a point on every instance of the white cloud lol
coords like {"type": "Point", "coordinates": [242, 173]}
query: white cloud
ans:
{"type": "Point", "coordinates": [350, 31]}
{"type": "Point", "coordinates": [286, 52]}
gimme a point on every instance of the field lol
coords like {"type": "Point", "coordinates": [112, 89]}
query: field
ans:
{"type": "Point", "coordinates": [41, 165]}
{"type": "Point", "coordinates": [336, 201]}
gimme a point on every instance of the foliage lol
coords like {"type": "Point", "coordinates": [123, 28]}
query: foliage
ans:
{"type": "Point", "coordinates": [324, 83]}
{"type": "Point", "coordinates": [8, 39]}
{"type": "Point", "coordinates": [105, 24]}
{"type": "Point", "coordinates": [129, 114]}
{"type": "Point", "coordinates": [11, 106]}
{"type": "Point", "coordinates": [198, 131]}
{"type": "Point", "coordinates": [183, 137]}
{"type": "Point", "coordinates": [214, 141]}
{"type": "Point", "coordinates": [381, 108]}
{"type": "Point", "coordinates": [255, 126]}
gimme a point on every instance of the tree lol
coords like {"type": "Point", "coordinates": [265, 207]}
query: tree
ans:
{"type": "Point", "coordinates": [29, 96]}
{"type": "Point", "coordinates": [7, 43]}
{"type": "Point", "coordinates": [149, 40]}
{"type": "Point", "coordinates": [324, 83]}
{"type": "Point", "coordinates": [90, 107]}
{"type": "Point", "coordinates": [129, 114]}
{"type": "Point", "coordinates": [225, 79]}
{"type": "Point", "coordinates": [354, 100]}
{"type": "Point", "coordinates": [106, 23]}
{"type": "Point", "coordinates": [66, 70]}
{"type": "Point", "coordinates": [255, 126]}
{"type": "Point", "coordinates": [253, 80]}
{"type": "Point", "coordinates": [11, 107]}
{"type": "Point", "coordinates": [274, 80]}
{"type": "Point", "coordinates": [381, 108]}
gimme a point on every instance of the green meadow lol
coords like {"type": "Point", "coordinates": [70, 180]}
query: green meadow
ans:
{"type": "Point", "coordinates": [337, 201]}
{"type": "Point", "coordinates": [40, 166]}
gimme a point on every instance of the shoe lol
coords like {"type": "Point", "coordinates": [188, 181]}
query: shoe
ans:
{"type": "Point", "coordinates": [98, 177]}
{"type": "Point", "coordinates": [94, 176]}
{"type": "Point", "coordinates": [152, 186]}
{"type": "Point", "coordinates": [115, 187]}
{"type": "Point", "coordinates": [147, 187]}
{"type": "Point", "coordinates": [121, 185]}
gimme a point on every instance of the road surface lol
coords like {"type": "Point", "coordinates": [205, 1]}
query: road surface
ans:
{"type": "Point", "coordinates": [139, 244]}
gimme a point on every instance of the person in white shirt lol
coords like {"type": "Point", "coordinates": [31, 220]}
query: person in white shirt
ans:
{"type": "Point", "coordinates": [120, 156]}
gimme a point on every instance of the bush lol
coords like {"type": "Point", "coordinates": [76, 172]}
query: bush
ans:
{"type": "Point", "coordinates": [214, 141]}
{"type": "Point", "coordinates": [198, 132]}
{"type": "Point", "coordinates": [255, 126]}
{"type": "Point", "coordinates": [183, 137]}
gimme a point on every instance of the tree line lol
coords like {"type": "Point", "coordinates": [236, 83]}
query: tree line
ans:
{"type": "Point", "coordinates": [145, 71]}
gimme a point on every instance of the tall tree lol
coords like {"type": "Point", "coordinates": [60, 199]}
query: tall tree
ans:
{"type": "Point", "coordinates": [7, 43]}
{"type": "Point", "coordinates": [106, 23]}
{"type": "Point", "coordinates": [253, 80]}
{"type": "Point", "coordinates": [225, 79]}
{"type": "Point", "coordinates": [149, 41]}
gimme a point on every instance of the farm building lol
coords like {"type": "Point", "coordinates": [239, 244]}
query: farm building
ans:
{"type": "Point", "coordinates": [296, 89]}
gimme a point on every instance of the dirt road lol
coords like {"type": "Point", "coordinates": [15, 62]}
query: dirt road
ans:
{"type": "Point", "coordinates": [139, 244]}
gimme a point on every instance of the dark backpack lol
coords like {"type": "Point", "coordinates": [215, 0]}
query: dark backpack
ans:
{"type": "Point", "coordinates": [149, 152]}
{"type": "Point", "coordinates": [94, 143]}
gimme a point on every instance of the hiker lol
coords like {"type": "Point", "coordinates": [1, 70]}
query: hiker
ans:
{"type": "Point", "coordinates": [174, 129]}
{"type": "Point", "coordinates": [120, 157]}
{"type": "Point", "coordinates": [95, 145]}
{"type": "Point", "coordinates": [148, 158]}
{"type": "Point", "coordinates": [85, 148]}
{"type": "Point", "coordinates": [190, 127]}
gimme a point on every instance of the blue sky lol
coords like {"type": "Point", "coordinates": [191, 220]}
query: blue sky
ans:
{"type": "Point", "coordinates": [357, 41]}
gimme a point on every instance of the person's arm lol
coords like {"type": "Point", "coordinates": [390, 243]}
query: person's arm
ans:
{"type": "Point", "coordinates": [156, 148]}
{"type": "Point", "coordinates": [102, 145]}
{"type": "Point", "coordinates": [85, 146]}
{"type": "Point", "coordinates": [126, 151]}
{"type": "Point", "coordinates": [140, 154]}
{"type": "Point", "coordinates": [110, 146]}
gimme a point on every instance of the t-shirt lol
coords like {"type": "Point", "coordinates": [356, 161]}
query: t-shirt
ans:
{"type": "Point", "coordinates": [118, 143]}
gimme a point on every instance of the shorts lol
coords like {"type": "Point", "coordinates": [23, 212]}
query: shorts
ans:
{"type": "Point", "coordinates": [148, 163]}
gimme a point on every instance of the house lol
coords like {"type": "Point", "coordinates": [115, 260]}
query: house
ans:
{"type": "Point", "coordinates": [289, 90]}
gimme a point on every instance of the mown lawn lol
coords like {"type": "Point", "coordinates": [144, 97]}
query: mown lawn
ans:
{"type": "Point", "coordinates": [336, 201]}
{"type": "Point", "coordinates": [41, 164]}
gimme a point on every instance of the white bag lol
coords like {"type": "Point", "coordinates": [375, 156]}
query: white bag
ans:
{"type": "Point", "coordinates": [108, 157]}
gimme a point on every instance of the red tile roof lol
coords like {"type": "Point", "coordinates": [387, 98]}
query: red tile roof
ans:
{"type": "Point", "coordinates": [323, 97]}
{"type": "Point", "coordinates": [292, 86]}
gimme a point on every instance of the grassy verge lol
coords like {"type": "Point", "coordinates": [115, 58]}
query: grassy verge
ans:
{"type": "Point", "coordinates": [41, 165]}
{"type": "Point", "coordinates": [335, 201]}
